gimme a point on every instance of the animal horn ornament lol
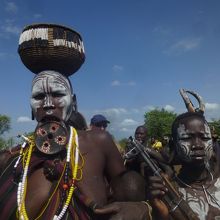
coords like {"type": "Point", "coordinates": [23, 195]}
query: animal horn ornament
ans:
{"type": "Point", "coordinates": [189, 105]}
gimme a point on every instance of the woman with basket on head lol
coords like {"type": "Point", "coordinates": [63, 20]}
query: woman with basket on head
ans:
{"type": "Point", "coordinates": [59, 172]}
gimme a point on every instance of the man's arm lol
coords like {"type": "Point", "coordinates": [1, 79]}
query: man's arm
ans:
{"type": "Point", "coordinates": [114, 164]}
{"type": "Point", "coordinates": [126, 211]}
{"type": "Point", "coordinates": [128, 188]}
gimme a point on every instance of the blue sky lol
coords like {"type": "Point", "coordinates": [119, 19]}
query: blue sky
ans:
{"type": "Point", "coordinates": [139, 53]}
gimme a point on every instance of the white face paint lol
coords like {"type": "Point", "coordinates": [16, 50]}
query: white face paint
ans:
{"type": "Point", "coordinates": [51, 96]}
{"type": "Point", "coordinates": [194, 141]}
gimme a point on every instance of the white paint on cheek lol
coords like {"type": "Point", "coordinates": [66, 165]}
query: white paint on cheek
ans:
{"type": "Point", "coordinates": [207, 131]}
{"type": "Point", "coordinates": [35, 105]}
{"type": "Point", "coordinates": [209, 148]}
{"type": "Point", "coordinates": [36, 88]}
{"type": "Point", "coordinates": [184, 150]}
{"type": "Point", "coordinates": [181, 130]}
{"type": "Point", "coordinates": [66, 103]}
{"type": "Point", "coordinates": [183, 147]}
{"type": "Point", "coordinates": [208, 145]}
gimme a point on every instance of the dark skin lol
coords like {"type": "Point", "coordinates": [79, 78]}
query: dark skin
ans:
{"type": "Point", "coordinates": [141, 134]}
{"type": "Point", "coordinates": [102, 161]}
{"type": "Point", "coordinates": [193, 135]}
{"type": "Point", "coordinates": [197, 139]}
{"type": "Point", "coordinates": [93, 183]}
{"type": "Point", "coordinates": [135, 163]}
{"type": "Point", "coordinates": [106, 162]}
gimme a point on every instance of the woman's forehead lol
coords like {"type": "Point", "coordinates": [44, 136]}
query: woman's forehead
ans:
{"type": "Point", "coordinates": [192, 121]}
{"type": "Point", "coordinates": [194, 124]}
{"type": "Point", "coordinates": [50, 78]}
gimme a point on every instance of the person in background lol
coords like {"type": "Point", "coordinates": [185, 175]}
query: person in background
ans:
{"type": "Point", "coordinates": [99, 122]}
{"type": "Point", "coordinates": [137, 163]}
{"type": "Point", "coordinates": [141, 134]}
{"type": "Point", "coordinates": [165, 141]}
{"type": "Point", "coordinates": [156, 144]}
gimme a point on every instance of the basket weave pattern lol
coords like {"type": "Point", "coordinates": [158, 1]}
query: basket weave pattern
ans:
{"type": "Point", "coordinates": [39, 54]}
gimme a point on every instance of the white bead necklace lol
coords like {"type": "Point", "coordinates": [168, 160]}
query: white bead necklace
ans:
{"type": "Point", "coordinates": [22, 185]}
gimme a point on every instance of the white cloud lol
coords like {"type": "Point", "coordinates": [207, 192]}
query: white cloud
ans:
{"type": "Point", "coordinates": [9, 28]}
{"type": "Point", "coordinates": [183, 46]}
{"type": "Point", "coordinates": [161, 30]}
{"type": "Point", "coordinates": [118, 83]}
{"type": "Point", "coordinates": [128, 122]}
{"type": "Point", "coordinates": [22, 119]}
{"type": "Point", "coordinates": [148, 108]}
{"type": "Point", "coordinates": [37, 15]}
{"type": "Point", "coordinates": [117, 68]}
{"type": "Point", "coordinates": [135, 110]}
{"type": "Point", "coordinates": [169, 108]}
{"type": "Point", "coordinates": [131, 83]}
{"type": "Point", "coordinates": [11, 7]}
{"type": "Point", "coordinates": [115, 111]}
{"type": "Point", "coordinates": [212, 111]}
{"type": "Point", "coordinates": [12, 29]}
{"type": "Point", "coordinates": [115, 83]}
{"type": "Point", "coordinates": [212, 106]}
{"type": "Point", "coordinates": [125, 130]}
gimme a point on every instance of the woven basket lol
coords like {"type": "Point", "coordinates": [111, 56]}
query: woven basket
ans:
{"type": "Point", "coordinates": [51, 47]}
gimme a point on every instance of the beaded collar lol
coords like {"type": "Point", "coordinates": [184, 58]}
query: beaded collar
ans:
{"type": "Point", "coordinates": [72, 164]}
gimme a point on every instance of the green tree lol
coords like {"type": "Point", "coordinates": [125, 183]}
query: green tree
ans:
{"type": "Point", "coordinates": [215, 126]}
{"type": "Point", "coordinates": [123, 142]}
{"type": "Point", "coordinates": [5, 125]}
{"type": "Point", "coordinates": [158, 122]}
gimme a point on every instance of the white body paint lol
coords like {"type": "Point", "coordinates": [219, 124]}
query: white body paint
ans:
{"type": "Point", "coordinates": [199, 203]}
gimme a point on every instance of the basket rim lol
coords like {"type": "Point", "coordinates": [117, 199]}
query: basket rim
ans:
{"type": "Point", "coordinates": [50, 25]}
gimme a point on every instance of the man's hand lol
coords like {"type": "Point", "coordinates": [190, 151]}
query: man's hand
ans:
{"type": "Point", "coordinates": [156, 191]}
{"type": "Point", "coordinates": [126, 211]}
{"type": "Point", "coordinates": [156, 187]}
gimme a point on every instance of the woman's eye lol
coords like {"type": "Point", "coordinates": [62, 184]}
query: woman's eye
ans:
{"type": "Point", "coordinates": [186, 138]}
{"type": "Point", "coordinates": [58, 95]}
{"type": "Point", "coordinates": [39, 96]}
{"type": "Point", "coordinates": [206, 138]}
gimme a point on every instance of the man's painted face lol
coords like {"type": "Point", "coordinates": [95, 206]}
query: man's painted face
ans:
{"type": "Point", "coordinates": [194, 142]}
{"type": "Point", "coordinates": [51, 96]}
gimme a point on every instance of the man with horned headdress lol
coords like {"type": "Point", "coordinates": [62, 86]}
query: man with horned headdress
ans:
{"type": "Point", "coordinates": [61, 173]}
{"type": "Point", "coordinates": [198, 180]}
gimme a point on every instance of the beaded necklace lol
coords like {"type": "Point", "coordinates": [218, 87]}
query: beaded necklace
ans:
{"type": "Point", "coordinates": [72, 163]}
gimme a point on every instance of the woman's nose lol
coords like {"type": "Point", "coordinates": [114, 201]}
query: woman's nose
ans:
{"type": "Point", "coordinates": [48, 103]}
